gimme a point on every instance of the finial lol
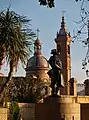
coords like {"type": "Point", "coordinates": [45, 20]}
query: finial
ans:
{"type": "Point", "coordinates": [63, 23]}
{"type": "Point", "coordinates": [63, 12]}
{"type": "Point", "coordinates": [37, 32]}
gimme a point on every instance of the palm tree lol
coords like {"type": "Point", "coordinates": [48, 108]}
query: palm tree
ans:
{"type": "Point", "coordinates": [15, 40]}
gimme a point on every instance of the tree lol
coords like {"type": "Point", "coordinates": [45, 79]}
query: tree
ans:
{"type": "Point", "coordinates": [51, 3]}
{"type": "Point", "coordinates": [14, 111]}
{"type": "Point", "coordinates": [15, 40]}
{"type": "Point", "coordinates": [25, 89]}
{"type": "Point", "coordinates": [82, 24]}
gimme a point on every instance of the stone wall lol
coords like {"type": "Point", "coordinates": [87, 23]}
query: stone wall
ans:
{"type": "Point", "coordinates": [3, 113]}
{"type": "Point", "coordinates": [68, 107]}
{"type": "Point", "coordinates": [70, 111]}
{"type": "Point", "coordinates": [82, 99]}
{"type": "Point", "coordinates": [58, 108]}
{"type": "Point", "coordinates": [27, 111]}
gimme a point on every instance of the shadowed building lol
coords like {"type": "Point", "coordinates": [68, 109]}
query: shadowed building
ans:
{"type": "Point", "coordinates": [63, 41]}
{"type": "Point", "coordinates": [37, 66]}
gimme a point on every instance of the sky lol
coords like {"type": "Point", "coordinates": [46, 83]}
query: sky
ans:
{"type": "Point", "coordinates": [49, 22]}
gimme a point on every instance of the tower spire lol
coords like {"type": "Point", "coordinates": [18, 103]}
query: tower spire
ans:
{"type": "Point", "coordinates": [63, 30]}
{"type": "Point", "coordinates": [63, 25]}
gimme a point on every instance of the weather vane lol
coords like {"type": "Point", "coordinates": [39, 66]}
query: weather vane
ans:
{"type": "Point", "coordinates": [38, 32]}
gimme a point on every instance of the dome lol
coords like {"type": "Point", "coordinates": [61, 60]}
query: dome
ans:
{"type": "Point", "coordinates": [37, 61]}
{"type": "Point", "coordinates": [37, 65]}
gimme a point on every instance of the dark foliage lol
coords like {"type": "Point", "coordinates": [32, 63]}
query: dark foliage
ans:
{"type": "Point", "coordinates": [50, 3]}
{"type": "Point", "coordinates": [16, 39]}
{"type": "Point", "coordinates": [25, 90]}
{"type": "Point", "coordinates": [14, 111]}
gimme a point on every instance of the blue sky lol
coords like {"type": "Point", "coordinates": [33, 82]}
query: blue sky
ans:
{"type": "Point", "coordinates": [49, 21]}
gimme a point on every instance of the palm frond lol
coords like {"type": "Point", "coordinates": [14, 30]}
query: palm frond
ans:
{"type": "Point", "coordinates": [16, 35]}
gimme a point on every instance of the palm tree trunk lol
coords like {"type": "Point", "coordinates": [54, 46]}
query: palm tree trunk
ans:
{"type": "Point", "coordinates": [9, 78]}
{"type": "Point", "coordinates": [2, 55]}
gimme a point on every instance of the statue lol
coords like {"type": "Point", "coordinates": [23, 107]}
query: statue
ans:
{"type": "Point", "coordinates": [55, 72]}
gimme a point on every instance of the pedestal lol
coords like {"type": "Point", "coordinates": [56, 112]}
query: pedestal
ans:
{"type": "Point", "coordinates": [49, 109]}
{"type": "Point", "coordinates": [52, 99]}
{"type": "Point", "coordinates": [58, 108]}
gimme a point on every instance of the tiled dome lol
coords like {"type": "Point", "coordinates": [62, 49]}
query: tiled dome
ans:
{"type": "Point", "coordinates": [37, 61]}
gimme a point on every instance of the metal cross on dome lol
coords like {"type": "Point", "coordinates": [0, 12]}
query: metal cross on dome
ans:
{"type": "Point", "coordinates": [38, 31]}
{"type": "Point", "coordinates": [63, 13]}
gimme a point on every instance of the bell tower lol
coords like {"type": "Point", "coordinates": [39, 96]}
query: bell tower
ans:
{"type": "Point", "coordinates": [63, 41]}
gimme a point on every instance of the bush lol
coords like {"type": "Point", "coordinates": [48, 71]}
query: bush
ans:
{"type": "Point", "coordinates": [14, 111]}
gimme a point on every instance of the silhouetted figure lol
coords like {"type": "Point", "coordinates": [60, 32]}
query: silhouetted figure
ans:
{"type": "Point", "coordinates": [55, 72]}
